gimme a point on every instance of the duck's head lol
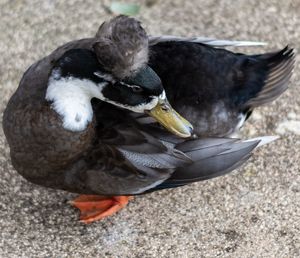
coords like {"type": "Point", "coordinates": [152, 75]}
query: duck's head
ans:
{"type": "Point", "coordinates": [113, 72]}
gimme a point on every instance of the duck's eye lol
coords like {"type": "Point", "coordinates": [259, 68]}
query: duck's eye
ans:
{"type": "Point", "coordinates": [136, 88]}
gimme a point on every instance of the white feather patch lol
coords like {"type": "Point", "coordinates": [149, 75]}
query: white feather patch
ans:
{"type": "Point", "coordinates": [71, 99]}
{"type": "Point", "coordinates": [263, 140]}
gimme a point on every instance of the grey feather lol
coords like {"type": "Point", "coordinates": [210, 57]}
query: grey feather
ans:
{"type": "Point", "coordinates": [215, 164]}
{"type": "Point", "coordinates": [210, 160]}
{"type": "Point", "coordinates": [208, 41]}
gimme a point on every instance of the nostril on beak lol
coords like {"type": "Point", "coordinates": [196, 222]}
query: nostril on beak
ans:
{"type": "Point", "coordinates": [164, 107]}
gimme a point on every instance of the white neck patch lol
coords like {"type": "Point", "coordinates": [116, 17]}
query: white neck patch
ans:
{"type": "Point", "coordinates": [71, 99]}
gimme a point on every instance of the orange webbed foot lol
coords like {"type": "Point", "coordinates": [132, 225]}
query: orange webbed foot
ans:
{"type": "Point", "coordinates": [96, 207]}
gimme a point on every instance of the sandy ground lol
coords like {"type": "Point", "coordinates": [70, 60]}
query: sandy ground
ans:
{"type": "Point", "coordinates": [253, 212]}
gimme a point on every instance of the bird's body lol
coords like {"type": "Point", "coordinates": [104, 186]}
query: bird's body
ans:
{"type": "Point", "coordinates": [215, 88]}
{"type": "Point", "coordinates": [70, 124]}
{"type": "Point", "coordinates": [44, 152]}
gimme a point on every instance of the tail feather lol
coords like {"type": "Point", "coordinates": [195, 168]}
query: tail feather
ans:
{"type": "Point", "coordinates": [278, 67]}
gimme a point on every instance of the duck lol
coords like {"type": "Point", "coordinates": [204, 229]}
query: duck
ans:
{"type": "Point", "coordinates": [74, 124]}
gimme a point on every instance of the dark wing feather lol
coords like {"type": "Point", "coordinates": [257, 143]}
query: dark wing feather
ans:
{"type": "Point", "coordinates": [213, 164]}
{"type": "Point", "coordinates": [277, 68]}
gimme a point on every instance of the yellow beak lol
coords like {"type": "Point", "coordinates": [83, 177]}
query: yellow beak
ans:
{"type": "Point", "coordinates": [170, 119]}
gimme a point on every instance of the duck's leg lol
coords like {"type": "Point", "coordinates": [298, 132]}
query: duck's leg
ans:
{"type": "Point", "coordinates": [96, 207]}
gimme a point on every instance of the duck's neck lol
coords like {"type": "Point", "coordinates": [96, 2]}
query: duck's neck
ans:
{"type": "Point", "coordinates": [71, 99]}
